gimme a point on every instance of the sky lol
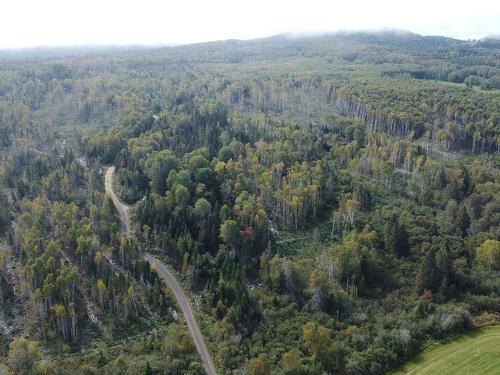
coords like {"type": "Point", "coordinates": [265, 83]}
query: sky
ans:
{"type": "Point", "coordinates": [32, 23]}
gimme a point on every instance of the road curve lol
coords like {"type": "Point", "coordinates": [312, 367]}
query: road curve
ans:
{"type": "Point", "coordinates": [120, 207]}
{"type": "Point", "coordinates": [167, 278]}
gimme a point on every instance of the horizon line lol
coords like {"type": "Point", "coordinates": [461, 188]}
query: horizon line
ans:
{"type": "Point", "coordinates": [289, 34]}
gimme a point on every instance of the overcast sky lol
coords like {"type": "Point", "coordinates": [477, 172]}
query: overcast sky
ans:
{"type": "Point", "coordinates": [28, 23]}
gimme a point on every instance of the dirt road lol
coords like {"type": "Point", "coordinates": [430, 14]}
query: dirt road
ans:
{"type": "Point", "coordinates": [167, 278]}
{"type": "Point", "coordinates": [172, 283]}
{"type": "Point", "coordinates": [120, 207]}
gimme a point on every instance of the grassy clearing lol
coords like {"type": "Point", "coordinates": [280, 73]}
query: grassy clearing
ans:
{"type": "Point", "coordinates": [475, 353]}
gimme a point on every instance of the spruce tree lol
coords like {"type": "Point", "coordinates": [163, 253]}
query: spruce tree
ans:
{"type": "Point", "coordinates": [428, 274]}
{"type": "Point", "coordinates": [396, 238]}
{"type": "Point", "coordinates": [462, 221]}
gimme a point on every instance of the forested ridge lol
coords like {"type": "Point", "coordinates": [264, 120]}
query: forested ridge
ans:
{"type": "Point", "coordinates": [329, 203]}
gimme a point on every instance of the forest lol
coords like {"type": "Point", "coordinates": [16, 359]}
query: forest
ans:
{"type": "Point", "coordinates": [329, 204]}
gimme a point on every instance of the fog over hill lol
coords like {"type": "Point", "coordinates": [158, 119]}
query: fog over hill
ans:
{"type": "Point", "coordinates": [402, 38]}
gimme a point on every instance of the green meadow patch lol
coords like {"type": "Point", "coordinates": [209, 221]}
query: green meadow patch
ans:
{"type": "Point", "coordinates": [474, 353]}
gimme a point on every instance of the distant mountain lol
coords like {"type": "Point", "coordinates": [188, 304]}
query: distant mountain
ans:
{"type": "Point", "coordinates": [284, 42]}
{"type": "Point", "coordinates": [491, 37]}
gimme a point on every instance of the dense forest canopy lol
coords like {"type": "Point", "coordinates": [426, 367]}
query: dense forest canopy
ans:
{"type": "Point", "coordinates": [329, 203]}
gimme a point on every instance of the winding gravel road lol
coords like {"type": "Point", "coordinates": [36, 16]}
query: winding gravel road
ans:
{"type": "Point", "coordinates": [120, 207]}
{"type": "Point", "coordinates": [166, 276]}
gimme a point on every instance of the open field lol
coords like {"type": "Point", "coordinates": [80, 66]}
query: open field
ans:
{"type": "Point", "coordinates": [474, 353]}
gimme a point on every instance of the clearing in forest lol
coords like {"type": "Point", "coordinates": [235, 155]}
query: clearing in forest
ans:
{"type": "Point", "coordinates": [475, 353]}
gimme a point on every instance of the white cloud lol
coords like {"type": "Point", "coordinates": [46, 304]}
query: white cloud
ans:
{"type": "Point", "coordinates": [77, 22]}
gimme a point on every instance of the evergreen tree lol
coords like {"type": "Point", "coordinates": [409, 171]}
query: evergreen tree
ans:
{"type": "Point", "coordinates": [147, 369]}
{"type": "Point", "coordinates": [443, 273]}
{"type": "Point", "coordinates": [442, 180]}
{"type": "Point", "coordinates": [462, 221]}
{"type": "Point", "coordinates": [396, 238]}
{"type": "Point", "coordinates": [467, 184]}
{"type": "Point", "coordinates": [428, 274]}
